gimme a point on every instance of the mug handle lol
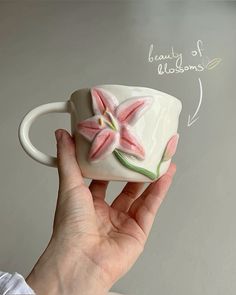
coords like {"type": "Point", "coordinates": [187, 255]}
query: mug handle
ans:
{"type": "Point", "coordinates": [24, 127]}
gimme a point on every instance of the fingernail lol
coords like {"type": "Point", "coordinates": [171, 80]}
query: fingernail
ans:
{"type": "Point", "coordinates": [58, 134]}
{"type": "Point", "coordinates": [173, 172]}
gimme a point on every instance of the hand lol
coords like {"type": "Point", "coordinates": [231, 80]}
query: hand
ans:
{"type": "Point", "coordinates": [94, 244]}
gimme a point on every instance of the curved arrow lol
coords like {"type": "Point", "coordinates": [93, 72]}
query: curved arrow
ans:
{"type": "Point", "coordinates": [193, 119]}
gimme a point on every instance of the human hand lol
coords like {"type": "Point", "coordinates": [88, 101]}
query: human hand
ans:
{"type": "Point", "coordinates": [93, 244]}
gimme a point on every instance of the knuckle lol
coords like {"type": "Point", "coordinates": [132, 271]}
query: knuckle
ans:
{"type": "Point", "coordinates": [129, 193]}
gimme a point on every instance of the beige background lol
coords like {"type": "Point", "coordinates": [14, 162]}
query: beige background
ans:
{"type": "Point", "coordinates": [48, 49]}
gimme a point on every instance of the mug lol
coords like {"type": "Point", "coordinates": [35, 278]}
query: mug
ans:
{"type": "Point", "coordinates": [123, 133]}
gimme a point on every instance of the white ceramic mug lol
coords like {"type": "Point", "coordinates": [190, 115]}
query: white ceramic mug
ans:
{"type": "Point", "coordinates": [124, 133]}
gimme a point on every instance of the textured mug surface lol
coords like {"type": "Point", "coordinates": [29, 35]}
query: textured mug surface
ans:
{"type": "Point", "coordinates": [125, 133]}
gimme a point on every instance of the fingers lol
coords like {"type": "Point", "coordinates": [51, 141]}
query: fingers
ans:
{"type": "Point", "coordinates": [127, 196]}
{"type": "Point", "coordinates": [68, 168]}
{"type": "Point", "coordinates": [144, 209]}
{"type": "Point", "coordinates": [98, 189]}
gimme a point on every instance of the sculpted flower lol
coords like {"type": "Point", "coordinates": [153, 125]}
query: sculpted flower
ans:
{"type": "Point", "coordinates": [171, 147]}
{"type": "Point", "coordinates": [109, 128]}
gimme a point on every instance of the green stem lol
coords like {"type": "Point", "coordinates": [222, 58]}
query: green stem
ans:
{"type": "Point", "coordinates": [119, 155]}
{"type": "Point", "coordinates": [158, 168]}
{"type": "Point", "coordinates": [123, 160]}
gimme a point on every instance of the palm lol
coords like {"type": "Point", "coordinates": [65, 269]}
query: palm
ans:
{"type": "Point", "coordinates": [119, 238]}
{"type": "Point", "coordinates": [118, 224]}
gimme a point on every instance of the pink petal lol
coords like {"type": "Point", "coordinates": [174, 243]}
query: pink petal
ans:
{"type": "Point", "coordinates": [129, 143]}
{"type": "Point", "coordinates": [102, 99]}
{"type": "Point", "coordinates": [171, 147]}
{"type": "Point", "coordinates": [90, 127]}
{"type": "Point", "coordinates": [130, 110]}
{"type": "Point", "coordinates": [104, 144]}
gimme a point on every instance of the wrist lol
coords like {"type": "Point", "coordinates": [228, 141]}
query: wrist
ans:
{"type": "Point", "coordinates": [66, 273]}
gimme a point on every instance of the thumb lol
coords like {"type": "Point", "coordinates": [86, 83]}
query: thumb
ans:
{"type": "Point", "coordinates": [69, 171]}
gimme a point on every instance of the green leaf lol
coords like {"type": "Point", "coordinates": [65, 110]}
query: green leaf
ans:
{"type": "Point", "coordinates": [213, 63]}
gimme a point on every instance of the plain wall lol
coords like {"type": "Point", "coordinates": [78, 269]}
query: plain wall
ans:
{"type": "Point", "coordinates": [48, 49]}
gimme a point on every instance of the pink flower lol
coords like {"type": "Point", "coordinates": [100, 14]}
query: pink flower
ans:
{"type": "Point", "coordinates": [109, 128]}
{"type": "Point", "coordinates": [171, 147]}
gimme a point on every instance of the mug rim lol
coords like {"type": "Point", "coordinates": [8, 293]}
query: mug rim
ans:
{"type": "Point", "coordinates": [134, 86]}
